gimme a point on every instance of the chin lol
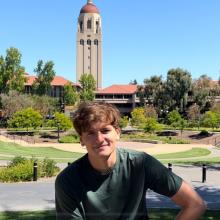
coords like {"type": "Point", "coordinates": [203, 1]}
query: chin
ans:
{"type": "Point", "coordinates": [104, 151]}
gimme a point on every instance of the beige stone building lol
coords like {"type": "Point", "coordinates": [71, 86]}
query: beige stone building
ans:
{"type": "Point", "coordinates": [89, 43]}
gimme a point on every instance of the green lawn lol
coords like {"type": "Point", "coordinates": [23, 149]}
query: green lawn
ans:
{"type": "Point", "coordinates": [207, 161]}
{"type": "Point", "coordinates": [8, 149]}
{"type": "Point", "coordinates": [194, 152]}
{"type": "Point", "coordinates": [164, 214]}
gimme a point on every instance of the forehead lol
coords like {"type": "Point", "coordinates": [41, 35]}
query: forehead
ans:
{"type": "Point", "coordinates": [97, 126]}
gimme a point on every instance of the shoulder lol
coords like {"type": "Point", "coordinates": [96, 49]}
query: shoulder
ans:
{"type": "Point", "coordinates": [71, 173]}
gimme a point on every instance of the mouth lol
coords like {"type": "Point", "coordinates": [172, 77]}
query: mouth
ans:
{"type": "Point", "coordinates": [102, 146]}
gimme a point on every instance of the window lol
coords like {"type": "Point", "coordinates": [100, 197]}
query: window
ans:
{"type": "Point", "coordinates": [81, 42]}
{"type": "Point", "coordinates": [97, 26]}
{"type": "Point", "coordinates": [96, 42]}
{"type": "Point", "coordinates": [89, 24]}
{"type": "Point", "coordinates": [88, 42]}
{"type": "Point", "coordinates": [81, 26]}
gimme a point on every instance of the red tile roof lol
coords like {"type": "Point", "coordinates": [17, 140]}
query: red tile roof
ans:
{"type": "Point", "coordinates": [118, 89]}
{"type": "Point", "coordinates": [57, 81]}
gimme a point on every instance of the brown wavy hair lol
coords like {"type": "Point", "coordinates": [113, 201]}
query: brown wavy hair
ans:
{"type": "Point", "coordinates": [89, 113]}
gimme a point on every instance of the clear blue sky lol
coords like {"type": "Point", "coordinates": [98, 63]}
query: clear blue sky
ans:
{"type": "Point", "coordinates": [140, 38]}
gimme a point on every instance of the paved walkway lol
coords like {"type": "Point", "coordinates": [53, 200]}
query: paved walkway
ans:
{"type": "Point", "coordinates": [40, 195]}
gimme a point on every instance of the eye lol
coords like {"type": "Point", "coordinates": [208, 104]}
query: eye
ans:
{"type": "Point", "coordinates": [90, 133]}
{"type": "Point", "coordinates": [105, 130]}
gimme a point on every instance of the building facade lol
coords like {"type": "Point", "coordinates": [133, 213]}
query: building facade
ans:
{"type": "Point", "coordinates": [89, 43]}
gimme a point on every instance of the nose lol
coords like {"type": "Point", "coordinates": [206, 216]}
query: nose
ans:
{"type": "Point", "coordinates": [100, 136]}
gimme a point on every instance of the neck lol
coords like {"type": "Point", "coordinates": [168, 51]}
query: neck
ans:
{"type": "Point", "coordinates": [103, 165]}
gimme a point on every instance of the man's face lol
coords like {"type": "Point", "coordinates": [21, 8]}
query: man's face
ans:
{"type": "Point", "coordinates": [100, 139]}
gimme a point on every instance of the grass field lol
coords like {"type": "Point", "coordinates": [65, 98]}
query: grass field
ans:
{"type": "Point", "coordinates": [9, 150]}
{"type": "Point", "coordinates": [162, 214]}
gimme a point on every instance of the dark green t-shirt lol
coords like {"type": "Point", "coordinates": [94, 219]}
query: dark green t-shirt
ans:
{"type": "Point", "coordinates": [83, 193]}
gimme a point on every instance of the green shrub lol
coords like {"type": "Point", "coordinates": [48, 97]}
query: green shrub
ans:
{"type": "Point", "coordinates": [21, 169]}
{"type": "Point", "coordinates": [20, 172]}
{"type": "Point", "coordinates": [123, 122]}
{"type": "Point", "coordinates": [18, 160]}
{"type": "Point", "coordinates": [48, 168]}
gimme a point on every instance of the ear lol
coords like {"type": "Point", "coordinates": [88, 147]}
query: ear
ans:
{"type": "Point", "coordinates": [118, 133]}
{"type": "Point", "coordinates": [81, 142]}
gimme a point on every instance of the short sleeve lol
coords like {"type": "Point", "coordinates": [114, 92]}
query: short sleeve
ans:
{"type": "Point", "coordinates": [159, 178]}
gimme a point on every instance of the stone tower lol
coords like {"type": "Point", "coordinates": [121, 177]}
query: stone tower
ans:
{"type": "Point", "coordinates": [89, 43]}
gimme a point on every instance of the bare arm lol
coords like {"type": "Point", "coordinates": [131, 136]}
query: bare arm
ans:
{"type": "Point", "coordinates": [192, 205]}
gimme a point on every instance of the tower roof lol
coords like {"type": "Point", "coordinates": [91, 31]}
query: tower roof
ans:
{"type": "Point", "coordinates": [89, 8]}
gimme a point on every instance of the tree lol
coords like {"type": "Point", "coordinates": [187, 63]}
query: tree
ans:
{"type": "Point", "coordinates": [182, 123]}
{"type": "Point", "coordinates": [151, 125]}
{"type": "Point", "coordinates": [45, 74]}
{"type": "Point", "coordinates": [26, 118]}
{"type": "Point", "coordinates": [211, 119]}
{"type": "Point", "coordinates": [12, 74]}
{"type": "Point", "coordinates": [88, 85]}
{"type": "Point", "coordinates": [133, 82]}
{"type": "Point", "coordinates": [150, 111]}
{"type": "Point", "coordinates": [62, 121]}
{"type": "Point", "coordinates": [150, 89]}
{"type": "Point", "coordinates": [123, 122]}
{"type": "Point", "coordinates": [178, 85]}
{"type": "Point", "coordinates": [173, 118]}
{"type": "Point", "coordinates": [15, 101]}
{"type": "Point", "coordinates": [194, 115]}
{"type": "Point", "coordinates": [138, 117]}
{"type": "Point", "coordinates": [45, 105]}
{"type": "Point", "coordinates": [71, 97]}
{"type": "Point", "coordinates": [201, 92]}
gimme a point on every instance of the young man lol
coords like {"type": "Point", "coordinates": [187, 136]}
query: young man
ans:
{"type": "Point", "coordinates": [110, 183]}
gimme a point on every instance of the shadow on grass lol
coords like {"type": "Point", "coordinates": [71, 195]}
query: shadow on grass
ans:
{"type": "Point", "coordinates": [164, 214]}
{"type": "Point", "coordinates": [170, 214]}
{"type": "Point", "coordinates": [44, 215]}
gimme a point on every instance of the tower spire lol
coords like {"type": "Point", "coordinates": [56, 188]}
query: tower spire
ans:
{"type": "Point", "coordinates": [89, 1]}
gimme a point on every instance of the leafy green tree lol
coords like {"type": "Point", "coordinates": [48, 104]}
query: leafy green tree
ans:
{"type": "Point", "coordinates": [45, 74]}
{"type": "Point", "coordinates": [182, 124]}
{"type": "Point", "coordinates": [71, 97]}
{"type": "Point", "coordinates": [12, 74]}
{"type": "Point", "coordinates": [151, 125]}
{"type": "Point", "coordinates": [88, 84]}
{"type": "Point", "coordinates": [123, 122]}
{"type": "Point", "coordinates": [26, 118]}
{"type": "Point", "coordinates": [211, 119]}
{"type": "Point", "coordinates": [201, 92]}
{"type": "Point", "coordinates": [178, 85]}
{"type": "Point", "coordinates": [62, 121]}
{"type": "Point", "coordinates": [173, 118]}
{"type": "Point", "coordinates": [138, 117]}
{"type": "Point", "coordinates": [150, 89]}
